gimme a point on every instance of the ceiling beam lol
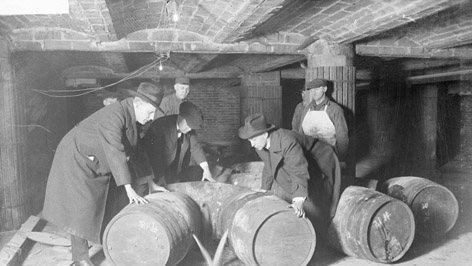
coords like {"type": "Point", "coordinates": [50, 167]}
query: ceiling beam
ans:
{"type": "Point", "coordinates": [439, 77]}
{"type": "Point", "coordinates": [124, 45]}
{"type": "Point", "coordinates": [418, 64]}
{"type": "Point", "coordinates": [276, 62]}
{"type": "Point", "coordinates": [412, 51]}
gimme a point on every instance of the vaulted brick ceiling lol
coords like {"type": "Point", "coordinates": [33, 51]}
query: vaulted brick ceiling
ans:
{"type": "Point", "coordinates": [386, 28]}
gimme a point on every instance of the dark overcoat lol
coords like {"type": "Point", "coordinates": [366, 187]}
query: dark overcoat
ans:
{"type": "Point", "coordinates": [160, 143]}
{"type": "Point", "coordinates": [85, 159]}
{"type": "Point", "coordinates": [293, 159]}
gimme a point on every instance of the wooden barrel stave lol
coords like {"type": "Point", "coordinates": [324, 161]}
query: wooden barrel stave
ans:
{"type": "Point", "coordinates": [371, 225]}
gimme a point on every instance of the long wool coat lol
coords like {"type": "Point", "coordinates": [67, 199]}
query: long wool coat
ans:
{"type": "Point", "coordinates": [293, 159]}
{"type": "Point", "coordinates": [85, 158]}
{"type": "Point", "coordinates": [160, 143]}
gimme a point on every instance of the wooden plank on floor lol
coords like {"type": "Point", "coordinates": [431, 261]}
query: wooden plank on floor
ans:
{"type": "Point", "coordinates": [11, 253]}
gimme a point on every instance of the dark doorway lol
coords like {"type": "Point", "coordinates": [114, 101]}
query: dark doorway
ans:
{"type": "Point", "coordinates": [291, 96]}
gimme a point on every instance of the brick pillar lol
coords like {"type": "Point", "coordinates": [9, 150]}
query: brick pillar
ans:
{"type": "Point", "coordinates": [14, 209]}
{"type": "Point", "coordinates": [335, 62]}
{"type": "Point", "coordinates": [429, 125]}
{"type": "Point", "coordinates": [465, 148]}
{"type": "Point", "coordinates": [261, 93]}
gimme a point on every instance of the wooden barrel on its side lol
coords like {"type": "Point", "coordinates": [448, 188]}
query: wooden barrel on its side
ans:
{"type": "Point", "coordinates": [434, 206]}
{"type": "Point", "coordinates": [157, 233]}
{"type": "Point", "coordinates": [371, 225]}
{"type": "Point", "coordinates": [248, 174]}
{"type": "Point", "coordinates": [265, 232]}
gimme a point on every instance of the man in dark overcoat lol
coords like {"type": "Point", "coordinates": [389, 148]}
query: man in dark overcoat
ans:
{"type": "Point", "coordinates": [297, 168]}
{"type": "Point", "coordinates": [171, 141]}
{"type": "Point", "coordinates": [94, 150]}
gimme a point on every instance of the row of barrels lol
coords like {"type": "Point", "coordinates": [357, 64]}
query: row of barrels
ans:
{"type": "Point", "coordinates": [263, 231]}
{"type": "Point", "coordinates": [260, 227]}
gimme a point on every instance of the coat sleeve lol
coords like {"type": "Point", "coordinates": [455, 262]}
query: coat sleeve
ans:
{"type": "Point", "coordinates": [297, 166]}
{"type": "Point", "coordinates": [340, 126]}
{"type": "Point", "coordinates": [267, 177]}
{"type": "Point", "coordinates": [196, 149]}
{"type": "Point", "coordinates": [297, 117]}
{"type": "Point", "coordinates": [110, 135]}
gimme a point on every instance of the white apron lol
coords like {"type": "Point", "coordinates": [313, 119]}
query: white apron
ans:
{"type": "Point", "coordinates": [318, 125]}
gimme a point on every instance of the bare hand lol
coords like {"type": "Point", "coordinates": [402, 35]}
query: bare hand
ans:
{"type": "Point", "coordinates": [133, 196]}
{"type": "Point", "coordinates": [297, 205]}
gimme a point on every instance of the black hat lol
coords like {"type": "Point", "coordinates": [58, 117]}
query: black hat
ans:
{"type": "Point", "coordinates": [254, 125]}
{"type": "Point", "coordinates": [316, 83]}
{"type": "Point", "coordinates": [149, 93]}
{"type": "Point", "coordinates": [191, 114]}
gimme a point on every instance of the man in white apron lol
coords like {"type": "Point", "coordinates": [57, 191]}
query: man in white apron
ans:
{"type": "Point", "coordinates": [319, 117]}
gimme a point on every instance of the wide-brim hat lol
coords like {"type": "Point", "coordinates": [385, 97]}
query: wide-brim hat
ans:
{"type": "Point", "coordinates": [254, 125]}
{"type": "Point", "coordinates": [192, 115]}
{"type": "Point", "coordinates": [150, 93]}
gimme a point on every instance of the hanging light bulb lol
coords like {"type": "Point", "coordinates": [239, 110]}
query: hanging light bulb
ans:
{"type": "Point", "coordinates": [160, 66]}
{"type": "Point", "coordinates": [175, 17]}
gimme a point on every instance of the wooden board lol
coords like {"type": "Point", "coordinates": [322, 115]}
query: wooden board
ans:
{"type": "Point", "coordinates": [11, 253]}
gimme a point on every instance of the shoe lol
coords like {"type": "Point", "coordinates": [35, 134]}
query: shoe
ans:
{"type": "Point", "coordinates": [86, 262]}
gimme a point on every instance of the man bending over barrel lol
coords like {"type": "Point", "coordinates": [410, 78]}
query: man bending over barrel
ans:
{"type": "Point", "coordinates": [86, 158]}
{"type": "Point", "coordinates": [297, 168]}
{"type": "Point", "coordinates": [171, 142]}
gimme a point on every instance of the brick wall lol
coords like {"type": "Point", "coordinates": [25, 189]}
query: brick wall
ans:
{"type": "Point", "coordinates": [220, 104]}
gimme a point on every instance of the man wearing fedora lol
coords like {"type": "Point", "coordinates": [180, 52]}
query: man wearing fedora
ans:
{"type": "Point", "coordinates": [170, 103]}
{"type": "Point", "coordinates": [87, 156]}
{"type": "Point", "coordinates": [297, 168]}
{"type": "Point", "coordinates": [170, 144]}
{"type": "Point", "coordinates": [321, 118]}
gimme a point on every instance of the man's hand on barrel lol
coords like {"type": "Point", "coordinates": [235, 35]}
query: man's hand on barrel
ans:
{"type": "Point", "coordinates": [206, 172]}
{"type": "Point", "coordinates": [297, 205]}
{"type": "Point", "coordinates": [133, 196]}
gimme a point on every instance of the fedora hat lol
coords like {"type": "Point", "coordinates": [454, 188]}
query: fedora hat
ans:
{"type": "Point", "coordinates": [149, 93]}
{"type": "Point", "coordinates": [192, 114]}
{"type": "Point", "coordinates": [254, 125]}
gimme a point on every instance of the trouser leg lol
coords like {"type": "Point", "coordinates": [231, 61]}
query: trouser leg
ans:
{"type": "Point", "coordinates": [79, 247]}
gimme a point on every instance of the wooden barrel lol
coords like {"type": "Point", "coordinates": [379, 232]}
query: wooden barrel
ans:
{"type": "Point", "coordinates": [157, 233]}
{"type": "Point", "coordinates": [248, 174]}
{"type": "Point", "coordinates": [371, 225]}
{"type": "Point", "coordinates": [434, 206]}
{"type": "Point", "coordinates": [262, 229]}
{"type": "Point", "coordinates": [265, 232]}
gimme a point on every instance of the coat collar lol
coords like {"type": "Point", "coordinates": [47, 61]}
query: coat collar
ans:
{"type": "Point", "coordinates": [275, 150]}
{"type": "Point", "coordinates": [315, 106]}
{"type": "Point", "coordinates": [131, 129]}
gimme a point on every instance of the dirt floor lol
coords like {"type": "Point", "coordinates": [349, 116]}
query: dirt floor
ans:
{"type": "Point", "coordinates": [454, 249]}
